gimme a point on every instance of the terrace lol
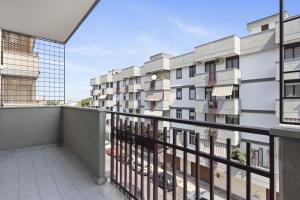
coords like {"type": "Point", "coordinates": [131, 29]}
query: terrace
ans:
{"type": "Point", "coordinates": [58, 152]}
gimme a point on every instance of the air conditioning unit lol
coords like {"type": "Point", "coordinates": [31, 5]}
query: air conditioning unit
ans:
{"type": "Point", "coordinates": [219, 61]}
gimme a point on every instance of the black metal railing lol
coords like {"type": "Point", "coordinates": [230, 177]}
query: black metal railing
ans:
{"type": "Point", "coordinates": [136, 147]}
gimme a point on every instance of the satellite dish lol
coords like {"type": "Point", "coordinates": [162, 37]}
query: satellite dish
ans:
{"type": "Point", "coordinates": [153, 77]}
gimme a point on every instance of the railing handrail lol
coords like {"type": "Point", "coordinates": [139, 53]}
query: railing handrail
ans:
{"type": "Point", "coordinates": [230, 127]}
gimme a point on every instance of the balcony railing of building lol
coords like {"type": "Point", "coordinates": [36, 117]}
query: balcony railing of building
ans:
{"type": "Point", "coordinates": [129, 140]}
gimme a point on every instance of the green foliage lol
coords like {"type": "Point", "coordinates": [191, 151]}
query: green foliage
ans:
{"type": "Point", "coordinates": [84, 102]}
{"type": "Point", "coordinates": [238, 155]}
{"type": "Point", "coordinates": [52, 103]}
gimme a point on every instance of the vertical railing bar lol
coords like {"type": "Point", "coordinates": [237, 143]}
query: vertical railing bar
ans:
{"type": "Point", "coordinates": [248, 174]}
{"type": "Point", "coordinates": [125, 159]}
{"type": "Point", "coordinates": [121, 151]}
{"type": "Point", "coordinates": [211, 168]}
{"type": "Point", "coordinates": [272, 168]}
{"type": "Point", "coordinates": [112, 148]}
{"type": "Point", "coordinates": [135, 159]}
{"type": "Point", "coordinates": [281, 62]}
{"type": "Point", "coordinates": [130, 159]}
{"type": "Point", "coordinates": [185, 166]}
{"type": "Point", "coordinates": [197, 168]}
{"type": "Point", "coordinates": [149, 163]}
{"type": "Point", "coordinates": [142, 162]}
{"type": "Point", "coordinates": [165, 164]}
{"type": "Point", "coordinates": [155, 161]}
{"type": "Point", "coordinates": [228, 169]}
{"type": "Point", "coordinates": [117, 149]}
{"type": "Point", "coordinates": [174, 164]}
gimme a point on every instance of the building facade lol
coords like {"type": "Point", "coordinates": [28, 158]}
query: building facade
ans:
{"type": "Point", "coordinates": [233, 80]}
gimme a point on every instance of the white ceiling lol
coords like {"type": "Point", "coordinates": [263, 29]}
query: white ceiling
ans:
{"type": "Point", "coordinates": [50, 19]}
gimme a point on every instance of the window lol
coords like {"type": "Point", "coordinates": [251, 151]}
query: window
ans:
{"type": "Point", "coordinates": [179, 73]}
{"type": "Point", "coordinates": [265, 27]}
{"type": "Point", "coordinates": [131, 81]}
{"type": "Point", "coordinates": [152, 105]}
{"type": "Point", "coordinates": [124, 82]}
{"type": "Point", "coordinates": [107, 85]}
{"type": "Point", "coordinates": [208, 94]}
{"type": "Point", "coordinates": [232, 119]}
{"type": "Point", "coordinates": [292, 51]}
{"type": "Point", "coordinates": [111, 85]}
{"type": "Point", "coordinates": [124, 97]}
{"type": "Point", "coordinates": [130, 110]}
{"type": "Point", "coordinates": [179, 94]}
{"type": "Point", "coordinates": [232, 62]}
{"type": "Point", "coordinates": [257, 157]}
{"type": "Point", "coordinates": [131, 96]}
{"type": "Point", "coordinates": [192, 71]}
{"type": "Point", "coordinates": [292, 89]}
{"type": "Point", "coordinates": [192, 93]}
{"type": "Point", "coordinates": [192, 138]}
{"type": "Point", "coordinates": [192, 115]}
{"type": "Point", "coordinates": [235, 93]}
{"type": "Point", "coordinates": [138, 96]}
{"type": "Point", "coordinates": [179, 113]}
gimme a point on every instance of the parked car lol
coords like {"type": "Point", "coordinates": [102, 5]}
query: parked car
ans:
{"type": "Point", "coordinates": [143, 171]}
{"type": "Point", "coordinates": [169, 178]}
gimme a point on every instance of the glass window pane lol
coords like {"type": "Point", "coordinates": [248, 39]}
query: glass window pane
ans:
{"type": "Point", "coordinates": [297, 52]}
{"type": "Point", "coordinates": [288, 53]}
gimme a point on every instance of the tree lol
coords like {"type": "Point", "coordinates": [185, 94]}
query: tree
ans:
{"type": "Point", "coordinates": [84, 102]}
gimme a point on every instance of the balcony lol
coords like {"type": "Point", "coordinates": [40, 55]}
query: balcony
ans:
{"type": "Point", "coordinates": [95, 81]}
{"type": "Point", "coordinates": [134, 87]}
{"type": "Point", "coordinates": [157, 62]}
{"type": "Point", "coordinates": [291, 69]}
{"type": "Point", "coordinates": [219, 106]}
{"type": "Point", "coordinates": [96, 92]}
{"type": "Point", "coordinates": [53, 153]}
{"type": "Point", "coordinates": [163, 84]}
{"type": "Point", "coordinates": [291, 108]}
{"type": "Point", "coordinates": [223, 77]}
{"type": "Point", "coordinates": [109, 91]}
{"type": "Point", "coordinates": [225, 47]}
{"type": "Point", "coordinates": [133, 104]}
{"type": "Point", "coordinates": [291, 32]}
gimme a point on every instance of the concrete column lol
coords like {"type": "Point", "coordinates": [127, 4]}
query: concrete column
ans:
{"type": "Point", "coordinates": [289, 162]}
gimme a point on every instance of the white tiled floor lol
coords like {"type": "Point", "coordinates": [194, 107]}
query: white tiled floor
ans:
{"type": "Point", "coordinates": [48, 173]}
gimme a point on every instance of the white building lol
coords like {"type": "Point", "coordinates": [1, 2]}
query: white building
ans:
{"type": "Point", "coordinates": [232, 80]}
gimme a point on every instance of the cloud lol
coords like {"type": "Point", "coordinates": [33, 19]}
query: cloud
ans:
{"type": "Point", "coordinates": [188, 28]}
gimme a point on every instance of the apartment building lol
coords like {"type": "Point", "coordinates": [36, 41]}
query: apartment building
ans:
{"type": "Point", "coordinates": [232, 80]}
{"type": "Point", "coordinates": [19, 69]}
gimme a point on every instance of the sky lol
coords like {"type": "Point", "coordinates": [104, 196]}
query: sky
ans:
{"type": "Point", "coordinates": [119, 33]}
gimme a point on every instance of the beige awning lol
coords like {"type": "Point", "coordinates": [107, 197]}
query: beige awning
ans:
{"type": "Point", "coordinates": [155, 113]}
{"type": "Point", "coordinates": [154, 96]}
{"type": "Point", "coordinates": [102, 96]}
{"type": "Point", "coordinates": [222, 91]}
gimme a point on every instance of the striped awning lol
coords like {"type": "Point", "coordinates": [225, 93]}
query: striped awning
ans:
{"type": "Point", "coordinates": [102, 96]}
{"type": "Point", "coordinates": [154, 96]}
{"type": "Point", "coordinates": [222, 91]}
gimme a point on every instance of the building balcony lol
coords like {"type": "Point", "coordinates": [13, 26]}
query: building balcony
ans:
{"type": "Point", "coordinates": [95, 81]}
{"type": "Point", "coordinates": [219, 106]}
{"type": "Point", "coordinates": [134, 87]}
{"type": "Point", "coordinates": [223, 77]}
{"type": "Point", "coordinates": [224, 47]}
{"type": "Point", "coordinates": [134, 104]}
{"type": "Point", "coordinates": [291, 32]}
{"type": "Point", "coordinates": [291, 69]}
{"type": "Point", "coordinates": [157, 62]}
{"type": "Point", "coordinates": [95, 103]}
{"type": "Point", "coordinates": [109, 91]}
{"type": "Point", "coordinates": [291, 109]}
{"type": "Point", "coordinates": [159, 105]}
{"type": "Point", "coordinates": [96, 92]}
{"type": "Point", "coordinates": [163, 84]}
